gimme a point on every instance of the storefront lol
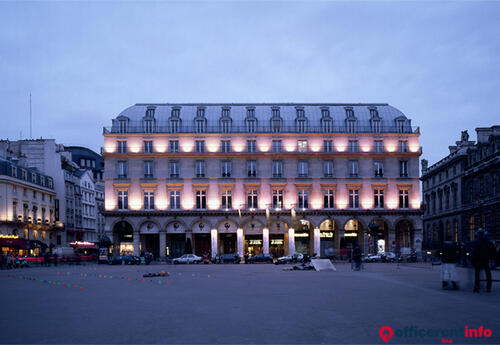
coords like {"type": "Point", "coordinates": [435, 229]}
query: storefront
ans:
{"type": "Point", "coordinates": [327, 243]}
{"type": "Point", "coordinates": [13, 244]}
{"type": "Point", "coordinates": [228, 239]}
{"type": "Point", "coordinates": [277, 245]}
{"type": "Point", "coordinates": [150, 239]}
{"type": "Point", "coordinates": [202, 244]}
{"type": "Point", "coordinates": [303, 237]}
{"type": "Point", "coordinates": [253, 244]}
{"type": "Point", "coordinates": [84, 247]}
{"type": "Point", "coordinates": [352, 235]}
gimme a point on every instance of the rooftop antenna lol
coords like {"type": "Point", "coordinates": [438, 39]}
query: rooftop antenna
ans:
{"type": "Point", "coordinates": [31, 121]}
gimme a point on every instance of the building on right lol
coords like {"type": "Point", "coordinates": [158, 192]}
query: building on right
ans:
{"type": "Point", "coordinates": [461, 192]}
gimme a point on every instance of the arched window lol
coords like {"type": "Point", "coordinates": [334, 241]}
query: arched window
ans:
{"type": "Point", "coordinates": [225, 120]}
{"type": "Point", "coordinates": [300, 120]}
{"type": "Point", "coordinates": [276, 121]}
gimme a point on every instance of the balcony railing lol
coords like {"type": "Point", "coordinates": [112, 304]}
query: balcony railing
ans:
{"type": "Point", "coordinates": [164, 127]}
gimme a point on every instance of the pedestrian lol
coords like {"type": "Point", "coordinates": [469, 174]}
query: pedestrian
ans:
{"type": "Point", "coordinates": [448, 264]}
{"type": "Point", "coordinates": [46, 259]}
{"type": "Point", "coordinates": [482, 252]}
{"type": "Point", "coordinates": [2, 261]}
{"type": "Point", "coordinates": [246, 257]}
{"type": "Point", "coordinates": [55, 259]}
{"type": "Point", "coordinates": [356, 257]}
{"type": "Point", "coordinates": [497, 256]}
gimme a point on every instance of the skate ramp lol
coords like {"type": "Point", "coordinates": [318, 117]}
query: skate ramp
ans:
{"type": "Point", "coordinates": [323, 265]}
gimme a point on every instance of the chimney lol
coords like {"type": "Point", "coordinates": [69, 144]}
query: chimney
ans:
{"type": "Point", "coordinates": [424, 164]}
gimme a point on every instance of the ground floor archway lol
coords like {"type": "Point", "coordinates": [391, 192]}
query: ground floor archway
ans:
{"type": "Point", "coordinates": [405, 234]}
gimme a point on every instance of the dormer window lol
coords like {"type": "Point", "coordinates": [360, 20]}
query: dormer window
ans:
{"type": "Point", "coordinates": [148, 125]}
{"type": "Point", "coordinates": [251, 120]}
{"type": "Point", "coordinates": [326, 121]}
{"type": "Point", "coordinates": [122, 126]}
{"type": "Point", "coordinates": [401, 126]}
{"type": "Point", "coordinates": [225, 121]}
{"type": "Point", "coordinates": [200, 121]}
{"type": "Point", "coordinates": [175, 121]}
{"type": "Point", "coordinates": [350, 120]}
{"type": "Point", "coordinates": [276, 120]}
{"type": "Point", "coordinates": [301, 121]}
{"type": "Point", "coordinates": [375, 120]}
{"type": "Point", "coordinates": [150, 112]}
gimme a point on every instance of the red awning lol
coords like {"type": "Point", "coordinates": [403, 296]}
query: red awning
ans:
{"type": "Point", "coordinates": [13, 242]}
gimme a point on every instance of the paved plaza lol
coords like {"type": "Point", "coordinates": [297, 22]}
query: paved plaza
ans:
{"type": "Point", "coordinates": [239, 304]}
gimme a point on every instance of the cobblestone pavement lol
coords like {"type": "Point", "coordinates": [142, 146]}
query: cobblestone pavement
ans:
{"type": "Point", "coordinates": [241, 304]}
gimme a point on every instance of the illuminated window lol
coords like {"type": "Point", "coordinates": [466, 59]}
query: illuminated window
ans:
{"type": "Point", "coordinates": [173, 146]}
{"type": "Point", "coordinates": [226, 200]}
{"type": "Point", "coordinates": [201, 199]}
{"type": "Point", "coordinates": [276, 146]}
{"type": "Point", "coordinates": [225, 146]}
{"type": "Point", "coordinates": [277, 198]}
{"type": "Point", "coordinates": [123, 200]}
{"type": "Point", "coordinates": [403, 145]}
{"type": "Point", "coordinates": [200, 146]}
{"type": "Point", "coordinates": [149, 200]}
{"type": "Point", "coordinates": [251, 146]}
{"type": "Point", "coordinates": [148, 146]}
{"type": "Point", "coordinates": [303, 198]}
{"type": "Point", "coordinates": [175, 199]}
{"type": "Point", "coordinates": [252, 198]}
{"type": "Point", "coordinates": [353, 146]}
{"type": "Point", "coordinates": [353, 198]}
{"type": "Point", "coordinates": [404, 198]}
{"type": "Point", "coordinates": [122, 146]}
{"type": "Point", "coordinates": [378, 198]}
{"type": "Point", "coordinates": [301, 145]}
{"type": "Point", "coordinates": [378, 145]}
{"type": "Point", "coordinates": [328, 198]}
{"type": "Point", "coordinates": [327, 146]}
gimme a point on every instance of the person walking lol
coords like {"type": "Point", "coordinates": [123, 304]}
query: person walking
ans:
{"type": "Point", "coordinates": [356, 257]}
{"type": "Point", "coordinates": [448, 264]}
{"type": "Point", "coordinates": [482, 252]}
{"type": "Point", "coordinates": [55, 259]}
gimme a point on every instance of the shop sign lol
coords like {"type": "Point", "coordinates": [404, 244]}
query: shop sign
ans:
{"type": "Point", "coordinates": [277, 242]}
{"type": "Point", "coordinates": [326, 234]}
{"type": "Point", "coordinates": [351, 234]}
{"type": "Point", "coordinates": [255, 242]}
{"type": "Point", "coordinates": [9, 236]}
{"type": "Point", "coordinates": [301, 234]}
{"type": "Point", "coordinates": [82, 244]}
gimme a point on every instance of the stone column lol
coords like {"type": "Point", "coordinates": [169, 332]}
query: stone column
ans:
{"type": "Point", "coordinates": [213, 237]}
{"type": "Point", "coordinates": [163, 244]}
{"type": "Point", "coordinates": [239, 239]}
{"type": "Point", "coordinates": [317, 243]}
{"type": "Point", "coordinates": [137, 251]}
{"type": "Point", "coordinates": [265, 240]}
{"type": "Point", "coordinates": [291, 241]}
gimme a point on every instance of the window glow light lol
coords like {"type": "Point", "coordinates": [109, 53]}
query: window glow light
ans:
{"type": "Point", "coordinates": [392, 203]}
{"type": "Point", "coordinates": [135, 203]}
{"type": "Point", "coordinates": [367, 203]}
{"type": "Point", "coordinates": [365, 148]}
{"type": "Point", "coordinates": [341, 203]}
{"type": "Point", "coordinates": [110, 147]}
{"type": "Point", "coordinates": [340, 147]}
{"type": "Point", "coordinates": [316, 203]}
{"type": "Point", "coordinates": [213, 204]}
{"type": "Point", "coordinates": [161, 203]}
{"type": "Point", "coordinates": [109, 204]}
{"type": "Point", "coordinates": [187, 146]}
{"type": "Point", "coordinates": [134, 148]}
{"type": "Point", "coordinates": [160, 148]}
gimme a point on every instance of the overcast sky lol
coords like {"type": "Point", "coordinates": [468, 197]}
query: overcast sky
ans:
{"type": "Point", "coordinates": [84, 62]}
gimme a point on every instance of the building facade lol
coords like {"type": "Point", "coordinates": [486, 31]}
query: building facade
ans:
{"type": "Point", "coordinates": [27, 218]}
{"type": "Point", "coordinates": [461, 192]}
{"type": "Point", "coordinates": [271, 178]}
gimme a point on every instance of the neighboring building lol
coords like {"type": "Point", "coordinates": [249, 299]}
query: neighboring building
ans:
{"type": "Point", "coordinates": [27, 197]}
{"type": "Point", "coordinates": [88, 205]}
{"type": "Point", "coordinates": [88, 159]}
{"type": "Point", "coordinates": [250, 178]}
{"type": "Point", "coordinates": [461, 191]}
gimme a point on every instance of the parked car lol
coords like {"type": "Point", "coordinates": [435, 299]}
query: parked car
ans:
{"type": "Point", "coordinates": [187, 259]}
{"type": "Point", "coordinates": [388, 257]}
{"type": "Point", "coordinates": [230, 258]}
{"type": "Point", "coordinates": [373, 258]}
{"type": "Point", "coordinates": [116, 260]}
{"type": "Point", "coordinates": [261, 258]}
{"type": "Point", "coordinates": [288, 259]}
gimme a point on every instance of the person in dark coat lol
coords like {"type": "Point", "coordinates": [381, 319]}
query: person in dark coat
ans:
{"type": "Point", "coordinates": [449, 258]}
{"type": "Point", "coordinates": [482, 253]}
{"type": "Point", "coordinates": [356, 257]}
{"type": "Point", "coordinates": [46, 259]}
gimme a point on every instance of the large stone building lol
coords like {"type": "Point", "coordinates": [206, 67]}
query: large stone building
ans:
{"type": "Point", "coordinates": [462, 191]}
{"type": "Point", "coordinates": [250, 178]}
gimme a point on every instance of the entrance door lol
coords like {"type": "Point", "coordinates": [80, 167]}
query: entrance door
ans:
{"type": "Point", "coordinates": [202, 244]}
{"type": "Point", "coordinates": [152, 244]}
{"type": "Point", "coordinates": [177, 245]}
{"type": "Point", "coordinates": [228, 243]}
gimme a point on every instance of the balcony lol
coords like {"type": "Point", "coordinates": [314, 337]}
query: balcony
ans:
{"type": "Point", "coordinates": [164, 127]}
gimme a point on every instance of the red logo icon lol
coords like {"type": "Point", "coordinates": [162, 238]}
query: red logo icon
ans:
{"type": "Point", "coordinates": [386, 333]}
